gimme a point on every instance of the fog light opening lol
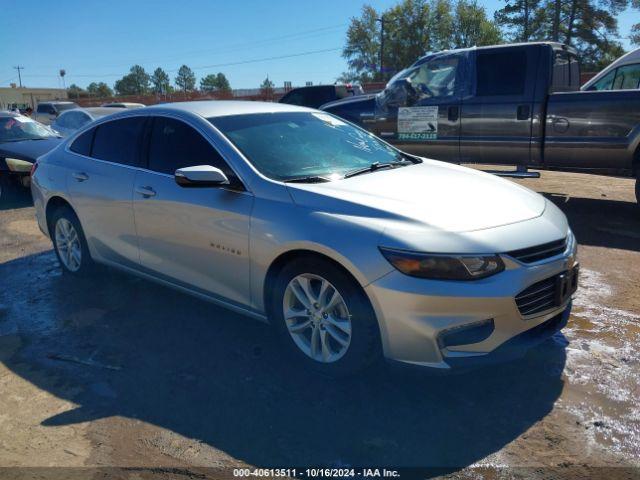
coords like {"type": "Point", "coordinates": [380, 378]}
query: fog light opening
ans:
{"type": "Point", "coordinates": [466, 334]}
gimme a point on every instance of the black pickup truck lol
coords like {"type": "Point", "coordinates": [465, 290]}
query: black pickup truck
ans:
{"type": "Point", "coordinates": [509, 104]}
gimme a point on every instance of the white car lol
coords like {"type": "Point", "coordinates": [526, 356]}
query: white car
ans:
{"type": "Point", "coordinates": [350, 248]}
{"type": "Point", "coordinates": [623, 74]}
{"type": "Point", "coordinates": [71, 120]}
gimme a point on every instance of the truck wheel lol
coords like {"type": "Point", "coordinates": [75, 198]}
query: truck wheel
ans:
{"type": "Point", "coordinates": [638, 187]}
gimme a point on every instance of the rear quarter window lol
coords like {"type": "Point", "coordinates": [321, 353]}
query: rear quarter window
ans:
{"type": "Point", "coordinates": [82, 144]}
{"type": "Point", "coordinates": [501, 73]}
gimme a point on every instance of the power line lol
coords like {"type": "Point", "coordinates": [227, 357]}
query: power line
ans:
{"type": "Point", "coordinates": [229, 48]}
{"type": "Point", "coordinates": [217, 65]}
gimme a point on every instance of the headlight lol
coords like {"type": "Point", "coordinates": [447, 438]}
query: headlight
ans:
{"type": "Point", "coordinates": [17, 165]}
{"type": "Point", "coordinates": [443, 267]}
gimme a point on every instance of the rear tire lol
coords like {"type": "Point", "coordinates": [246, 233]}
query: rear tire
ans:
{"type": "Point", "coordinates": [69, 243]}
{"type": "Point", "coordinates": [638, 186]}
{"type": "Point", "coordinates": [333, 330]}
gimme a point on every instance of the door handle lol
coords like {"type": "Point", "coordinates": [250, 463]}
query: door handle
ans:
{"type": "Point", "coordinates": [453, 113]}
{"type": "Point", "coordinates": [146, 192]}
{"type": "Point", "coordinates": [524, 111]}
{"type": "Point", "coordinates": [80, 176]}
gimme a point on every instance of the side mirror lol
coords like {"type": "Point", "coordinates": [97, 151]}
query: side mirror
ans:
{"type": "Point", "coordinates": [200, 176]}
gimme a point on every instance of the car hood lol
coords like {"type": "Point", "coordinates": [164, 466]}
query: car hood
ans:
{"type": "Point", "coordinates": [434, 194]}
{"type": "Point", "coordinates": [355, 99]}
{"type": "Point", "coordinates": [28, 149]}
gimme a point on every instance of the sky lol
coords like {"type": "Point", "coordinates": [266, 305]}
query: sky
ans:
{"type": "Point", "coordinates": [247, 40]}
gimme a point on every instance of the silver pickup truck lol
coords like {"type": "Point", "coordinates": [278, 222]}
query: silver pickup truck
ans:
{"type": "Point", "coordinates": [510, 104]}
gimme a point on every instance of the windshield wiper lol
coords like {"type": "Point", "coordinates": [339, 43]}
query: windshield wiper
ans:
{"type": "Point", "coordinates": [378, 166]}
{"type": "Point", "coordinates": [309, 179]}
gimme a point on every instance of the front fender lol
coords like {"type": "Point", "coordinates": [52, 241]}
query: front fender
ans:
{"type": "Point", "coordinates": [352, 245]}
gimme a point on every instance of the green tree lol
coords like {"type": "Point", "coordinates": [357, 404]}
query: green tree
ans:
{"type": "Point", "coordinates": [99, 89]}
{"type": "Point", "coordinates": [185, 80]}
{"type": "Point", "coordinates": [267, 88]}
{"type": "Point", "coordinates": [635, 34]}
{"type": "Point", "coordinates": [520, 19]}
{"type": "Point", "coordinates": [362, 50]}
{"type": "Point", "coordinates": [471, 26]}
{"type": "Point", "coordinates": [136, 82]}
{"type": "Point", "coordinates": [215, 83]}
{"type": "Point", "coordinates": [161, 84]}
{"type": "Point", "coordinates": [590, 26]}
{"type": "Point", "coordinates": [74, 91]}
{"type": "Point", "coordinates": [411, 29]}
{"type": "Point", "coordinates": [635, 29]}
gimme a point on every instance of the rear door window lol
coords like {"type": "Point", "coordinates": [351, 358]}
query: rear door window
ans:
{"type": "Point", "coordinates": [119, 141]}
{"type": "Point", "coordinates": [501, 73]}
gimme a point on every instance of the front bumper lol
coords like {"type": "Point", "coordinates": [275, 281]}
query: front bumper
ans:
{"type": "Point", "coordinates": [414, 314]}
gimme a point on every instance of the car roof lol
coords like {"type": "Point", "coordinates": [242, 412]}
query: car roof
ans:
{"type": "Point", "coordinates": [57, 102]}
{"type": "Point", "coordinates": [554, 45]}
{"type": "Point", "coordinates": [222, 108]}
{"type": "Point", "coordinates": [95, 112]}
{"type": "Point", "coordinates": [122, 104]}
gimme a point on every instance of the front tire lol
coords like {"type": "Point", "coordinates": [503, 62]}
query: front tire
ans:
{"type": "Point", "coordinates": [324, 318]}
{"type": "Point", "coordinates": [69, 242]}
{"type": "Point", "coordinates": [638, 187]}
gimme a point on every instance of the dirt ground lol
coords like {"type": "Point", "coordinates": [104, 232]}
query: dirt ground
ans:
{"type": "Point", "coordinates": [119, 372]}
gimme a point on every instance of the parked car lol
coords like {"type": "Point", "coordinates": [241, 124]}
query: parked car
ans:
{"type": "Point", "coordinates": [71, 120]}
{"type": "Point", "coordinates": [22, 141]}
{"type": "Point", "coordinates": [349, 247]}
{"type": "Point", "coordinates": [47, 112]}
{"type": "Point", "coordinates": [123, 105]}
{"type": "Point", "coordinates": [623, 74]}
{"type": "Point", "coordinates": [510, 104]}
{"type": "Point", "coordinates": [318, 95]}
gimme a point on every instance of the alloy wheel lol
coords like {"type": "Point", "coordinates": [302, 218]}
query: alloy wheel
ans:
{"type": "Point", "coordinates": [68, 245]}
{"type": "Point", "coordinates": [317, 318]}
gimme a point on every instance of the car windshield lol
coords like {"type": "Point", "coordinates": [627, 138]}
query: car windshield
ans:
{"type": "Point", "coordinates": [293, 145]}
{"type": "Point", "coordinates": [15, 129]}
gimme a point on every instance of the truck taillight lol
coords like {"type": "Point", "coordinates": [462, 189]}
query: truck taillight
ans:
{"type": "Point", "coordinates": [34, 167]}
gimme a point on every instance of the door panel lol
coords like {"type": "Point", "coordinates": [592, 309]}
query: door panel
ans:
{"type": "Point", "coordinates": [100, 181]}
{"type": "Point", "coordinates": [101, 194]}
{"type": "Point", "coordinates": [491, 133]}
{"type": "Point", "coordinates": [496, 119]}
{"type": "Point", "coordinates": [197, 236]}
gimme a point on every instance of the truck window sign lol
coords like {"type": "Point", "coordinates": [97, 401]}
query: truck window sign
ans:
{"type": "Point", "coordinates": [418, 123]}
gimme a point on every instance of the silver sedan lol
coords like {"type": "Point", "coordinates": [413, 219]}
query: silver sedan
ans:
{"type": "Point", "coordinates": [350, 248]}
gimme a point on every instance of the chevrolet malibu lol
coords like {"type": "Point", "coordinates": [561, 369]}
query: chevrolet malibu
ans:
{"type": "Point", "coordinates": [350, 248]}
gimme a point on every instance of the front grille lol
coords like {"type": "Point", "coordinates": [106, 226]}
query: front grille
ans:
{"type": "Point", "coordinates": [538, 297]}
{"type": "Point", "coordinates": [539, 252]}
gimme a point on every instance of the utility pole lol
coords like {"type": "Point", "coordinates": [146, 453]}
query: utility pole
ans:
{"type": "Point", "coordinates": [19, 76]}
{"type": "Point", "coordinates": [381, 20]}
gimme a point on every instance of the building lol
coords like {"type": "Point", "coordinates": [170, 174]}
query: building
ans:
{"type": "Point", "coordinates": [13, 96]}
